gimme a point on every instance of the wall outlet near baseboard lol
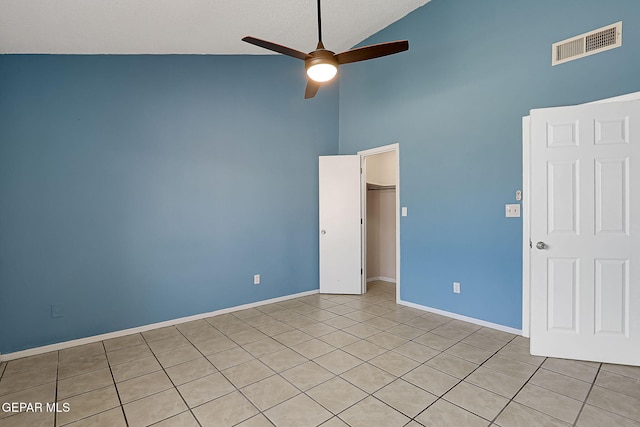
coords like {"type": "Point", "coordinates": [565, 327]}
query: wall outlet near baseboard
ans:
{"type": "Point", "coordinates": [256, 279]}
{"type": "Point", "coordinates": [456, 287]}
{"type": "Point", "coordinates": [56, 310]}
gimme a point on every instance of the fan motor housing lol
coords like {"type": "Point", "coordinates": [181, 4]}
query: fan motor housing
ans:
{"type": "Point", "coordinates": [320, 56]}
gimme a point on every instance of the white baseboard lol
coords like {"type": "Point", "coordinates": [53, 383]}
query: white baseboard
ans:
{"type": "Point", "coordinates": [463, 318]}
{"type": "Point", "coordinates": [96, 338]}
{"type": "Point", "coordinates": [381, 279]}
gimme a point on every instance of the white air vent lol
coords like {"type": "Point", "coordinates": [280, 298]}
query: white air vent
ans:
{"type": "Point", "coordinates": [595, 41]}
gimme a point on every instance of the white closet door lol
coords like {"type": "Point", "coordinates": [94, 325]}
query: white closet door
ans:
{"type": "Point", "coordinates": [340, 227]}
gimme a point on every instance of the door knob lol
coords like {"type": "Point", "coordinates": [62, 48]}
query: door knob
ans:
{"type": "Point", "coordinates": [541, 245]}
{"type": "Point", "coordinates": [323, 231]}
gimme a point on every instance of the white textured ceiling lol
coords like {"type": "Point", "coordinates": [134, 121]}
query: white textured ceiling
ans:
{"type": "Point", "coordinates": [188, 26]}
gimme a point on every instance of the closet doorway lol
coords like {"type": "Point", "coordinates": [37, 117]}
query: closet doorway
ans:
{"type": "Point", "coordinates": [380, 208]}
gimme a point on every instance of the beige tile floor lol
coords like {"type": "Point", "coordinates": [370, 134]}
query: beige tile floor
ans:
{"type": "Point", "coordinates": [327, 360]}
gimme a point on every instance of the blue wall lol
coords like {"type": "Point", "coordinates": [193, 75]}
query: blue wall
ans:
{"type": "Point", "coordinates": [137, 189]}
{"type": "Point", "coordinates": [454, 102]}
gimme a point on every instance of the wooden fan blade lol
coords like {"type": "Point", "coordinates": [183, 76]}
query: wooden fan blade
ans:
{"type": "Point", "coordinates": [372, 51]}
{"type": "Point", "coordinates": [312, 89]}
{"type": "Point", "coordinates": [275, 47]}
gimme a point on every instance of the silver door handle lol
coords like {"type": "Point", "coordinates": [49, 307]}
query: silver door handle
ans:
{"type": "Point", "coordinates": [541, 245]}
{"type": "Point", "coordinates": [323, 231]}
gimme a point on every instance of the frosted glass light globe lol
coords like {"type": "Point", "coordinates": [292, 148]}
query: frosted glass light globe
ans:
{"type": "Point", "coordinates": [322, 72]}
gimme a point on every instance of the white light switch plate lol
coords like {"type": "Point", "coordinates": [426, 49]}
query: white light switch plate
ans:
{"type": "Point", "coordinates": [404, 211]}
{"type": "Point", "coordinates": [512, 211]}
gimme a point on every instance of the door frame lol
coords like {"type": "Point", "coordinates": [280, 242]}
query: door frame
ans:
{"type": "Point", "coordinates": [526, 210]}
{"type": "Point", "coordinates": [363, 209]}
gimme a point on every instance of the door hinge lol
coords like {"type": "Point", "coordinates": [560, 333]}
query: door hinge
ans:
{"type": "Point", "coordinates": [361, 272]}
{"type": "Point", "coordinates": [361, 221]}
{"type": "Point", "coordinates": [530, 244]}
{"type": "Point", "coordinates": [360, 171]}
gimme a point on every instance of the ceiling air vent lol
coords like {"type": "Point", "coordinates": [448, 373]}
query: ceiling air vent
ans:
{"type": "Point", "coordinates": [595, 41]}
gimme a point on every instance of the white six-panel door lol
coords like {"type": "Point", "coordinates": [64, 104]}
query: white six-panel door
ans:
{"type": "Point", "coordinates": [585, 228]}
{"type": "Point", "coordinates": [340, 227]}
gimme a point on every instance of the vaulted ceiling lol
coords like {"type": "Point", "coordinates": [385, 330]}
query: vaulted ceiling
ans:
{"type": "Point", "coordinates": [188, 26]}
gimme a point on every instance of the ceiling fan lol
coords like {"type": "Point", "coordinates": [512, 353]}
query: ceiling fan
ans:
{"type": "Point", "coordinates": [322, 64]}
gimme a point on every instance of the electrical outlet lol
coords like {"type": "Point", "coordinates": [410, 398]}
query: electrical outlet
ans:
{"type": "Point", "coordinates": [56, 310]}
{"type": "Point", "coordinates": [456, 287]}
{"type": "Point", "coordinates": [256, 279]}
{"type": "Point", "coordinates": [512, 210]}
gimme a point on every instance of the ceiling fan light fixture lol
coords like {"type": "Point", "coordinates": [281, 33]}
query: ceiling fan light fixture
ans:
{"type": "Point", "coordinates": [322, 64]}
{"type": "Point", "coordinates": [322, 72]}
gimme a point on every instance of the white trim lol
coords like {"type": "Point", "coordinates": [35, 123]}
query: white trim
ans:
{"type": "Point", "coordinates": [382, 279]}
{"type": "Point", "coordinates": [526, 224]}
{"type": "Point", "coordinates": [116, 334]}
{"type": "Point", "coordinates": [363, 224]}
{"type": "Point", "coordinates": [526, 209]}
{"type": "Point", "coordinates": [463, 318]}
{"type": "Point", "coordinates": [379, 150]}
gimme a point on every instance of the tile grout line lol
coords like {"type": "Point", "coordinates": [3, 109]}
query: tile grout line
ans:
{"type": "Point", "coordinates": [593, 383]}
{"type": "Point", "coordinates": [334, 349]}
{"type": "Point", "coordinates": [420, 364]}
{"type": "Point", "coordinates": [90, 391]}
{"type": "Point", "coordinates": [388, 350]}
{"type": "Point", "coordinates": [462, 380]}
{"type": "Point", "coordinates": [313, 361]}
{"type": "Point", "coordinates": [441, 397]}
{"type": "Point", "coordinates": [288, 347]}
{"type": "Point", "coordinates": [162, 368]}
{"type": "Point", "coordinates": [172, 383]}
{"type": "Point", "coordinates": [55, 396]}
{"type": "Point", "coordinates": [254, 358]}
{"type": "Point", "coordinates": [126, 421]}
{"type": "Point", "coordinates": [519, 390]}
{"type": "Point", "coordinates": [275, 373]}
{"type": "Point", "coordinates": [367, 394]}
